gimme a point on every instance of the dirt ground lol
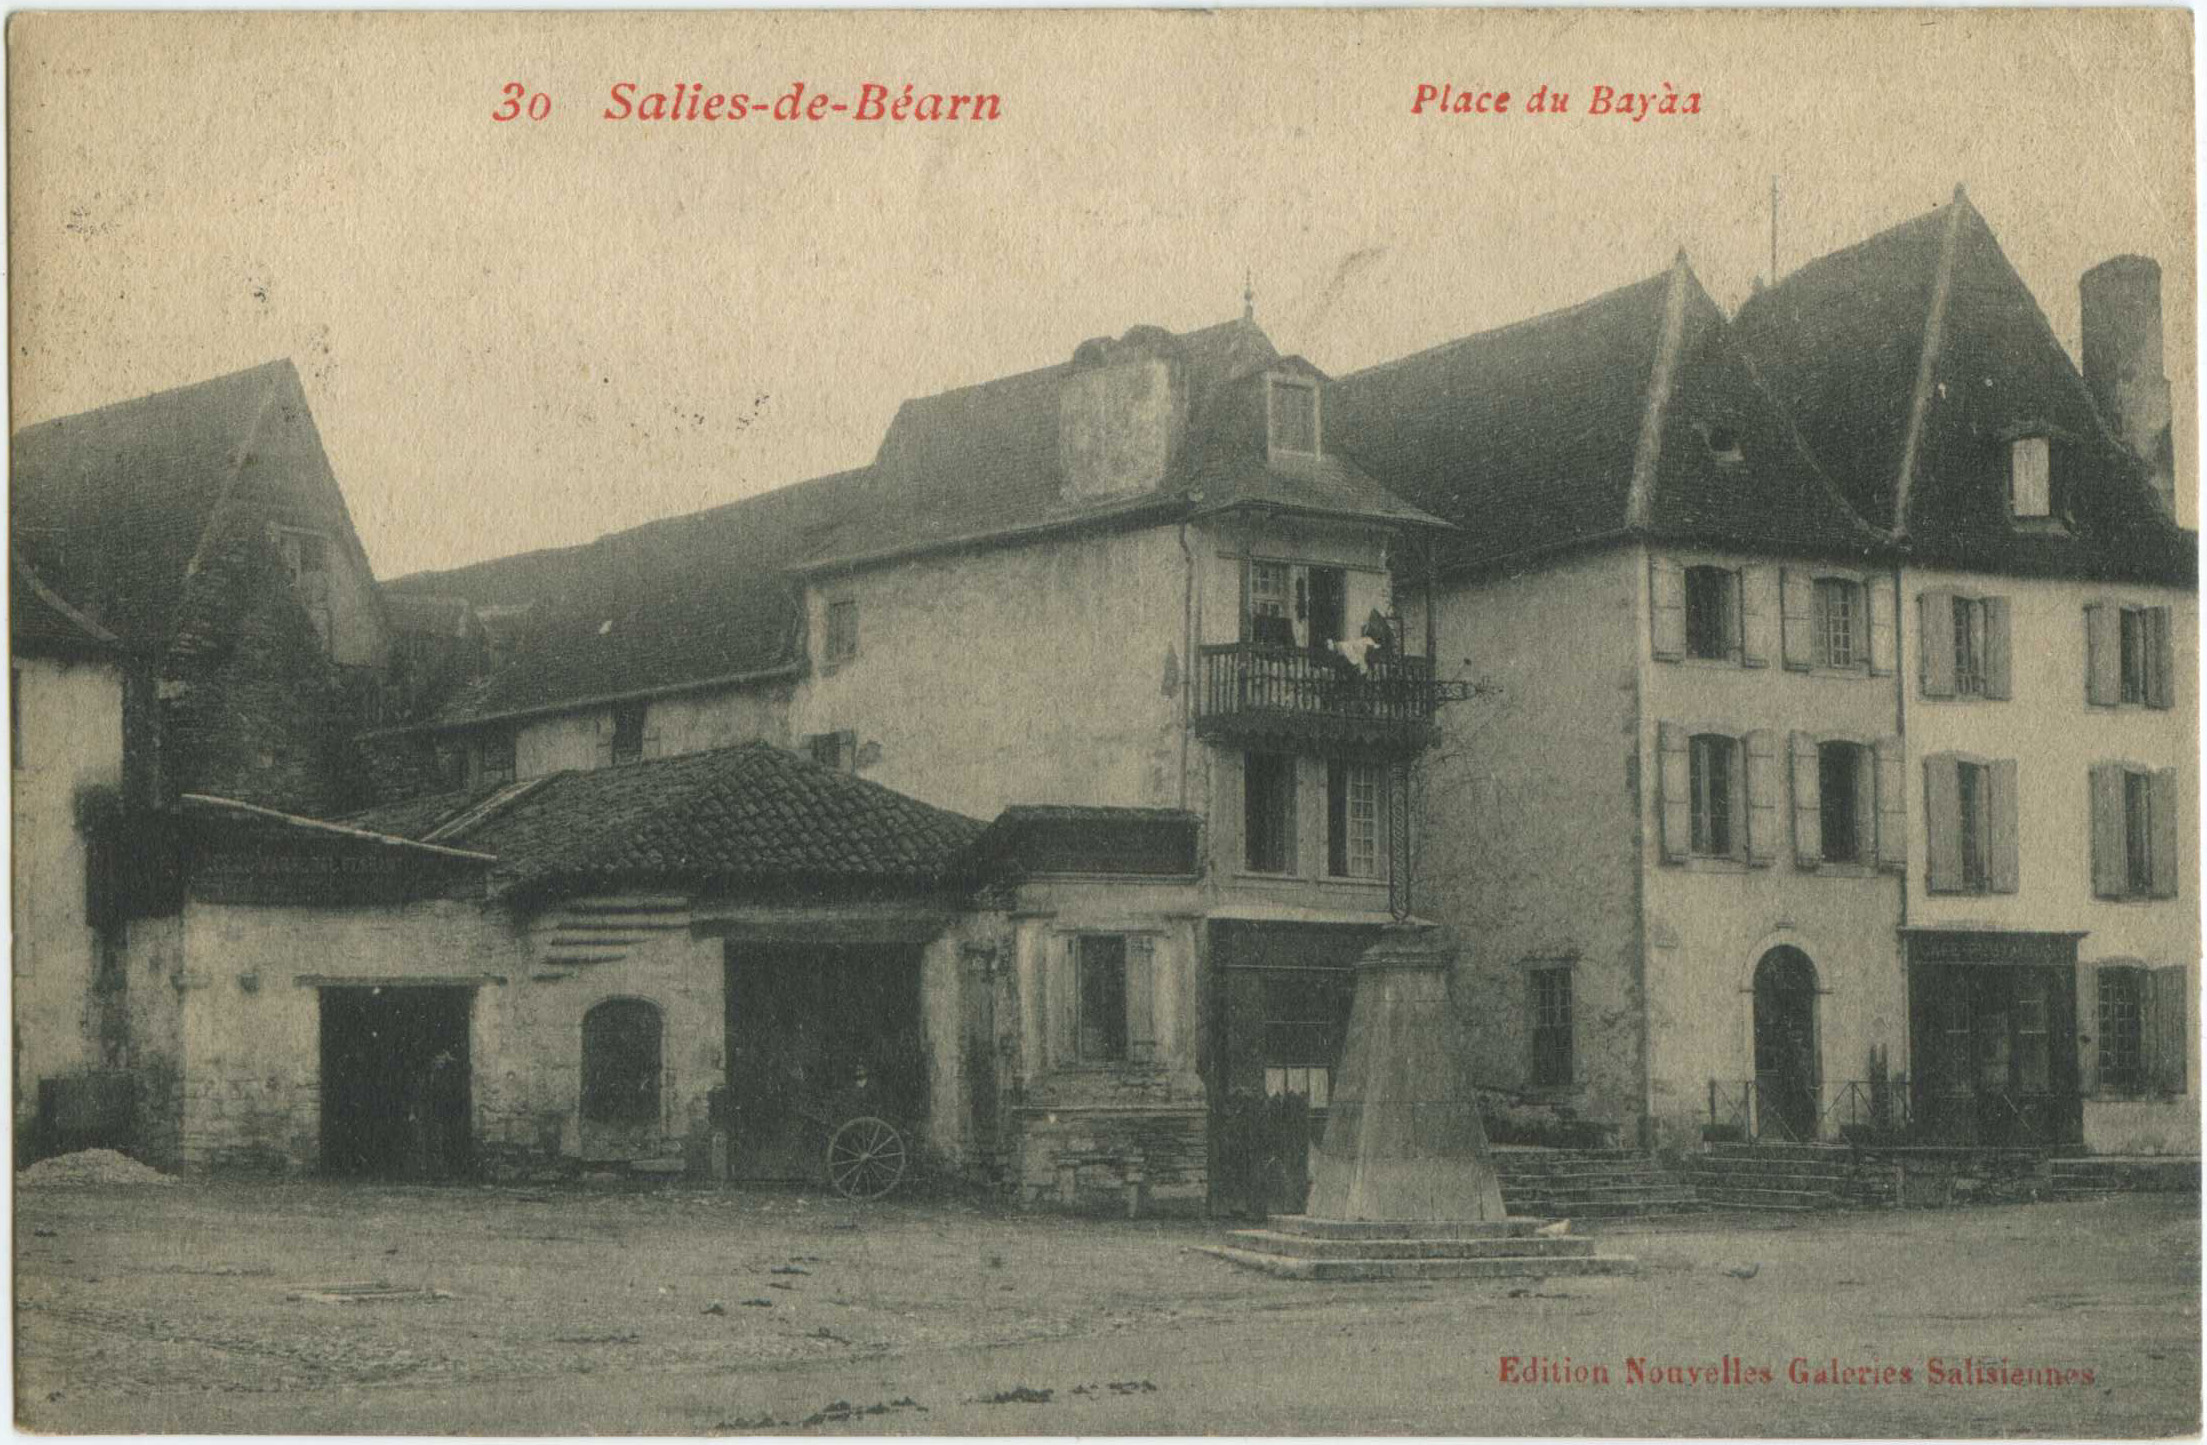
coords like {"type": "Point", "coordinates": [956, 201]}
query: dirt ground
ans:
{"type": "Point", "coordinates": [210, 1308]}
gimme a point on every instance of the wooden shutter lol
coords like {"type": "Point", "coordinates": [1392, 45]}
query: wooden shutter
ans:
{"type": "Point", "coordinates": [1878, 597]}
{"type": "Point", "coordinates": [1750, 585]}
{"type": "Point", "coordinates": [1942, 809]}
{"type": "Point", "coordinates": [2168, 1028]}
{"type": "Point", "coordinates": [2161, 683]}
{"type": "Point", "coordinates": [2168, 847]}
{"type": "Point", "coordinates": [1935, 640]}
{"type": "Point", "coordinates": [1063, 1001]}
{"type": "Point", "coordinates": [2110, 871]}
{"type": "Point", "coordinates": [1808, 808]}
{"type": "Point", "coordinates": [1797, 617]}
{"type": "Point", "coordinates": [2103, 654]}
{"type": "Point", "coordinates": [1674, 791]}
{"type": "Point", "coordinates": [1141, 998]}
{"type": "Point", "coordinates": [1865, 806]}
{"type": "Point", "coordinates": [1762, 797]}
{"type": "Point", "coordinates": [1667, 608]}
{"type": "Point", "coordinates": [1892, 805]}
{"type": "Point", "coordinates": [2003, 851]}
{"type": "Point", "coordinates": [1998, 668]}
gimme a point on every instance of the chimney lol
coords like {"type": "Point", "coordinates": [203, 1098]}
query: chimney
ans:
{"type": "Point", "coordinates": [2123, 361]}
{"type": "Point", "coordinates": [1122, 413]}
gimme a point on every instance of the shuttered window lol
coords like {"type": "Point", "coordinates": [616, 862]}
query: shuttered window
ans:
{"type": "Point", "coordinates": [1712, 612]}
{"type": "Point", "coordinates": [1294, 411]}
{"type": "Point", "coordinates": [2122, 1032]}
{"type": "Point", "coordinates": [1965, 646]}
{"type": "Point", "coordinates": [628, 732]}
{"type": "Point", "coordinates": [1843, 775]}
{"type": "Point", "coordinates": [842, 632]}
{"type": "Point", "coordinates": [2030, 478]}
{"type": "Point", "coordinates": [2129, 656]}
{"type": "Point", "coordinates": [1840, 627]}
{"type": "Point", "coordinates": [1971, 824]}
{"type": "Point", "coordinates": [1715, 767]}
{"type": "Point", "coordinates": [2135, 840]}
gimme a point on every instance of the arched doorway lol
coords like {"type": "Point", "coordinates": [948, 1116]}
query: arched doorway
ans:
{"type": "Point", "coordinates": [1786, 1072]}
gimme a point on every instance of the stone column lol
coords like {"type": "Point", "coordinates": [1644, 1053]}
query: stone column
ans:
{"type": "Point", "coordinates": [1403, 1138]}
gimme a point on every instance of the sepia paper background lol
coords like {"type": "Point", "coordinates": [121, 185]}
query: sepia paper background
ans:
{"type": "Point", "coordinates": [528, 334]}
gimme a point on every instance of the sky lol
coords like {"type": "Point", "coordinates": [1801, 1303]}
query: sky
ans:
{"type": "Point", "coordinates": [529, 333]}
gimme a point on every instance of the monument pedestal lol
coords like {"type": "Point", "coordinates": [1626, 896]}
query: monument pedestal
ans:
{"type": "Point", "coordinates": [1402, 1186]}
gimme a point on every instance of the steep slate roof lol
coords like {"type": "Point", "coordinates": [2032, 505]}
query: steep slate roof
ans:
{"type": "Point", "coordinates": [716, 594]}
{"type": "Point", "coordinates": [674, 602]}
{"type": "Point", "coordinates": [750, 814]}
{"type": "Point", "coordinates": [115, 507]}
{"type": "Point", "coordinates": [39, 621]}
{"type": "Point", "coordinates": [1911, 361]}
{"type": "Point", "coordinates": [1633, 414]}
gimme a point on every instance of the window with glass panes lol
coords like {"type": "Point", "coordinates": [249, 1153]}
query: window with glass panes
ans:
{"type": "Point", "coordinates": [1839, 621]}
{"type": "Point", "coordinates": [1974, 818]}
{"type": "Point", "coordinates": [2138, 832]}
{"type": "Point", "coordinates": [1969, 647]}
{"type": "Point", "coordinates": [1551, 990]}
{"type": "Point", "coordinates": [1294, 417]}
{"type": "Point", "coordinates": [1712, 761]}
{"type": "Point", "coordinates": [1352, 820]}
{"type": "Point", "coordinates": [2122, 1032]}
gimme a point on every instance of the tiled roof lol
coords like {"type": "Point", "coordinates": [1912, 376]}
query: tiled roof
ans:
{"type": "Point", "coordinates": [114, 507]}
{"type": "Point", "coordinates": [1630, 414]}
{"type": "Point", "coordinates": [742, 815]}
{"type": "Point", "coordinates": [1843, 342]}
{"type": "Point", "coordinates": [39, 621]}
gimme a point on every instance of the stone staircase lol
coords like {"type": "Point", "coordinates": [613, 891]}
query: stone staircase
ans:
{"type": "Point", "coordinates": [1298, 1247]}
{"type": "Point", "coordinates": [2103, 1176]}
{"type": "Point", "coordinates": [1587, 1183]}
{"type": "Point", "coordinates": [1785, 1177]}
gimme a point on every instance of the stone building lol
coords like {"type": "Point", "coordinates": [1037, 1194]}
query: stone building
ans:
{"type": "Point", "coordinates": [2047, 678]}
{"type": "Point", "coordinates": [200, 616]}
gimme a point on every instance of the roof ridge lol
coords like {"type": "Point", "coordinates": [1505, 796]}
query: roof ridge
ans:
{"type": "Point", "coordinates": [1492, 332]}
{"type": "Point", "coordinates": [1647, 453]}
{"type": "Point", "coordinates": [1927, 361]}
{"type": "Point", "coordinates": [1938, 214]}
{"type": "Point", "coordinates": [275, 364]}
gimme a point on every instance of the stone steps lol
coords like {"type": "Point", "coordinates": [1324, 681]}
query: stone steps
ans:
{"type": "Point", "coordinates": [1514, 1227]}
{"type": "Point", "coordinates": [1269, 1241]}
{"type": "Point", "coordinates": [1588, 1183]}
{"type": "Point", "coordinates": [1359, 1270]}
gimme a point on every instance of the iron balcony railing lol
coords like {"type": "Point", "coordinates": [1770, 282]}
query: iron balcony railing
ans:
{"type": "Point", "coordinates": [1240, 680]}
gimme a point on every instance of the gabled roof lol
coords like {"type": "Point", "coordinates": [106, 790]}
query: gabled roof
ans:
{"type": "Point", "coordinates": [716, 596]}
{"type": "Point", "coordinates": [745, 815]}
{"type": "Point", "coordinates": [1911, 361]}
{"type": "Point", "coordinates": [39, 621]}
{"type": "Point", "coordinates": [115, 507]}
{"type": "Point", "coordinates": [1633, 414]}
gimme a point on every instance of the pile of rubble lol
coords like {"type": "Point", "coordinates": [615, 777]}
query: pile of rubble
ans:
{"type": "Point", "coordinates": [91, 1166]}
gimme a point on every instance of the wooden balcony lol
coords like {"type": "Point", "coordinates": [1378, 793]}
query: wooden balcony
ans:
{"type": "Point", "coordinates": [1294, 697]}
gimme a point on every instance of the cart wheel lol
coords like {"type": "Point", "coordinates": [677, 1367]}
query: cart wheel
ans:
{"type": "Point", "coordinates": [866, 1158]}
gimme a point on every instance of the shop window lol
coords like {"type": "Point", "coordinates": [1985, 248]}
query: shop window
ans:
{"type": "Point", "coordinates": [1268, 812]}
{"type": "Point", "coordinates": [1551, 1026]}
{"type": "Point", "coordinates": [1305, 1024]}
{"type": "Point", "coordinates": [621, 1041]}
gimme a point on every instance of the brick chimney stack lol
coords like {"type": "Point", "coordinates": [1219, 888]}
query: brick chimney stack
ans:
{"type": "Point", "coordinates": [2123, 362]}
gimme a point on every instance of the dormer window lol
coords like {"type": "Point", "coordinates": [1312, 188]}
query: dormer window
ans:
{"type": "Point", "coordinates": [2030, 478]}
{"type": "Point", "coordinates": [1291, 409]}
